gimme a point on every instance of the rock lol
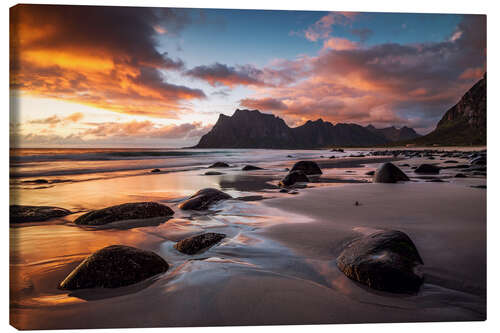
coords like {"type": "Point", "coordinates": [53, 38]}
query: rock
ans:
{"type": "Point", "coordinates": [460, 175]}
{"type": "Point", "coordinates": [292, 178]}
{"type": "Point", "coordinates": [20, 214]}
{"type": "Point", "coordinates": [333, 156]}
{"type": "Point", "coordinates": [370, 173]}
{"type": "Point", "coordinates": [283, 190]}
{"type": "Point", "coordinates": [195, 244]}
{"type": "Point", "coordinates": [219, 165]}
{"type": "Point", "coordinates": [307, 167]}
{"type": "Point", "coordinates": [203, 198]}
{"type": "Point", "coordinates": [114, 266]}
{"type": "Point", "coordinates": [128, 211]}
{"type": "Point", "coordinates": [427, 168]}
{"type": "Point", "coordinates": [450, 161]}
{"type": "Point", "coordinates": [479, 186]}
{"type": "Point", "coordinates": [213, 173]}
{"type": "Point", "coordinates": [250, 167]}
{"type": "Point", "coordinates": [384, 260]}
{"type": "Point", "coordinates": [155, 170]}
{"type": "Point", "coordinates": [389, 173]}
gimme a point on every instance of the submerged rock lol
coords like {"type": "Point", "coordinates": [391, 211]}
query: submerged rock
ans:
{"type": "Point", "coordinates": [20, 214]}
{"type": "Point", "coordinates": [128, 211]}
{"type": "Point", "coordinates": [195, 244]}
{"type": "Point", "coordinates": [370, 173]}
{"type": "Point", "coordinates": [292, 178]}
{"type": "Point", "coordinates": [203, 198]}
{"type": "Point", "coordinates": [384, 260]}
{"type": "Point", "coordinates": [250, 167]}
{"type": "Point", "coordinates": [219, 165]}
{"type": "Point", "coordinates": [389, 173]}
{"type": "Point", "coordinates": [155, 170]}
{"type": "Point", "coordinates": [114, 266]}
{"type": "Point", "coordinates": [460, 175]}
{"type": "Point", "coordinates": [427, 168]}
{"type": "Point", "coordinates": [307, 167]}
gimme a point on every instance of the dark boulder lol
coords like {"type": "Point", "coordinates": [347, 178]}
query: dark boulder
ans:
{"type": "Point", "coordinates": [155, 170]}
{"type": "Point", "coordinates": [128, 211]}
{"type": "Point", "coordinates": [460, 175]}
{"type": "Point", "coordinates": [384, 260]}
{"type": "Point", "coordinates": [195, 244]}
{"type": "Point", "coordinates": [250, 167]}
{"type": "Point", "coordinates": [213, 173]}
{"type": "Point", "coordinates": [219, 165]}
{"type": "Point", "coordinates": [427, 168]}
{"type": "Point", "coordinates": [370, 173]}
{"type": "Point", "coordinates": [20, 214]}
{"type": "Point", "coordinates": [293, 177]}
{"type": "Point", "coordinates": [203, 198]}
{"type": "Point", "coordinates": [307, 167]}
{"type": "Point", "coordinates": [114, 266]}
{"type": "Point", "coordinates": [389, 173]}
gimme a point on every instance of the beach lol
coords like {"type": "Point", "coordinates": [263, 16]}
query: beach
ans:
{"type": "Point", "coordinates": [277, 263]}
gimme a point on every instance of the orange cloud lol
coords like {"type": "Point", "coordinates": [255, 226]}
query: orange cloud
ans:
{"type": "Point", "coordinates": [108, 62]}
{"type": "Point", "coordinates": [339, 44]}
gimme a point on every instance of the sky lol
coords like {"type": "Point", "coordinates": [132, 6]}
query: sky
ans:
{"type": "Point", "coordinates": [89, 76]}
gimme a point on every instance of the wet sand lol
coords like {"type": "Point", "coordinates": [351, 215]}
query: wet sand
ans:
{"type": "Point", "coordinates": [277, 265]}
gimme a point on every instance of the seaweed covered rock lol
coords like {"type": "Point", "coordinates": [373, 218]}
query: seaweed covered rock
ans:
{"type": "Point", "coordinates": [384, 260]}
{"type": "Point", "coordinates": [128, 211]}
{"type": "Point", "coordinates": [203, 198]}
{"type": "Point", "coordinates": [293, 177]}
{"type": "Point", "coordinates": [389, 173]}
{"type": "Point", "coordinates": [195, 244]}
{"type": "Point", "coordinates": [114, 266]}
{"type": "Point", "coordinates": [307, 167]}
{"type": "Point", "coordinates": [20, 214]}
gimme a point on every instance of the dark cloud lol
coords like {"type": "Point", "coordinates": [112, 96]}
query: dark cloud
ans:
{"type": "Point", "coordinates": [219, 74]}
{"type": "Point", "coordinates": [104, 56]}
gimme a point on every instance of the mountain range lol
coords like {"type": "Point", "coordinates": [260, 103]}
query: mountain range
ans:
{"type": "Point", "coordinates": [463, 124]}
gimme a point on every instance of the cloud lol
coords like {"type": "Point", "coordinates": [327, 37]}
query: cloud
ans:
{"type": "Point", "coordinates": [337, 43]}
{"type": "Point", "coordinates": [386, 84]}
{"type": "Point", "coordinates": [322, 28]}
{"type": "Point", "coordinates": [363, 34]}
{"type": "Point", "coordinates": [143, 129]}
{"type": "Point", "coordinates": [263, 104]}
{"type": "Point", "coordinates": [100, 56]}
{"type": "Point", "coordinates": [109, 133]}
{"type": "Point", "coordinates": [54, 120]}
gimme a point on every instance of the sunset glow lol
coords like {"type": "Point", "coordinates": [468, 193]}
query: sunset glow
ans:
{"type": "Point", "coordinates": [163, 75]}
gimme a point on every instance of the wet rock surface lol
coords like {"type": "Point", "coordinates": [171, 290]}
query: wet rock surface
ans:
{"type": "Point", "coordinates": [114, 266]}
{"type": "Point", "coordinates": [427, 168]}
{"type": "Point", "coordinates": [20, 213]}
{"type": "Point", "coordinates": [195, 244]}
{"type": "Point", "coordinates": [128, 211]}
{"type": "Point", "coordinates": [250, 167]}
{"type": "Point", "coordinates": [384, 260]}
{"type": "Point", "coordinates": [307, 167]}
{"type": "Point", "coordinates": [203, 198]}
{"type": "Point", "coordinates": [219, 165]}
{"type": "Point", "coordinates": [293, 177]}
{"type": "Point", "coordinates": [389, 173]}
